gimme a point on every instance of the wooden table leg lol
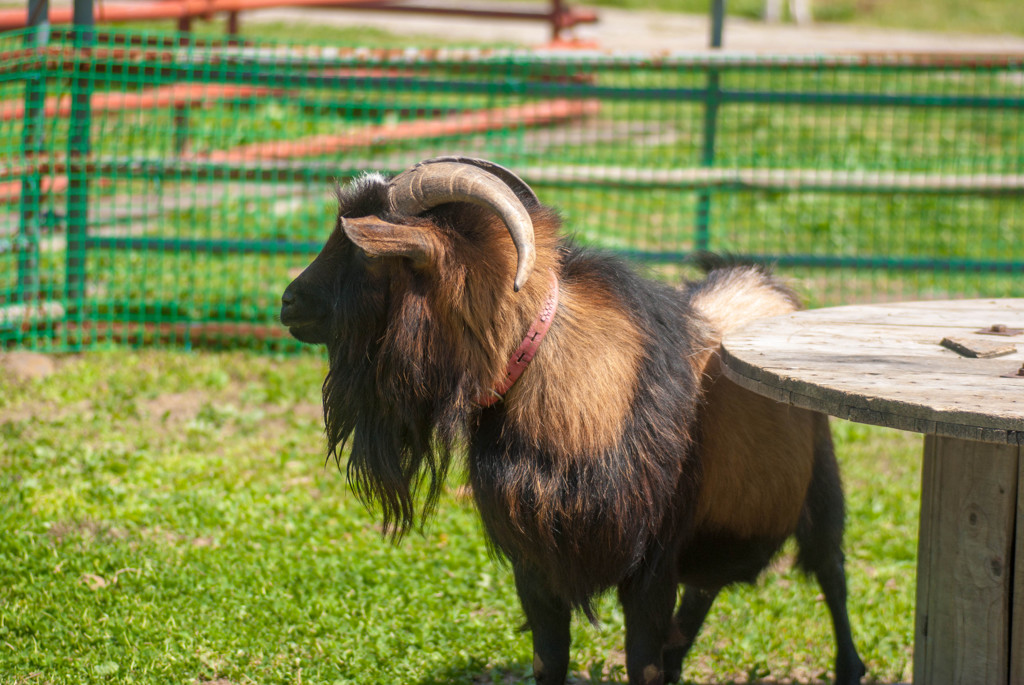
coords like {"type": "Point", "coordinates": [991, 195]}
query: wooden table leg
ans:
{"type": "Point", "coordinates": [965, 565]}
{"type": "Point", "coordinates": [1017, 621]}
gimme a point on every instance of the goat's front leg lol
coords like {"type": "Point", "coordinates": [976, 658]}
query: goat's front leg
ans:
{"type": "Point", "coordinates": [647, 604]}
{"type": "Point", "coordinates": [549, 618]}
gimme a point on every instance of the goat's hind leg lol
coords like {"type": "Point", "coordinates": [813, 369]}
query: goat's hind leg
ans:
{"type": "Point", "coordinates": [832, 578]}
{"type": "Point", "coordinates": [820, 537]}
{"type": "Point", "coordinates": [693, 609]}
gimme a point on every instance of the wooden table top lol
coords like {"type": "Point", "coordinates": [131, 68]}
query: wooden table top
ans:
{"type": "Point", "coordinates": [885, 365]}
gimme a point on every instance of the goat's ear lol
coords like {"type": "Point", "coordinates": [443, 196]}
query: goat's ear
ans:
{"type": "Point", "coordinates": [378, 238]}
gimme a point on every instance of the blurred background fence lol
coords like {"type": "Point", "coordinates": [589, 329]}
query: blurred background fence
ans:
{"type": "Point", "coordinates": [164, 189]}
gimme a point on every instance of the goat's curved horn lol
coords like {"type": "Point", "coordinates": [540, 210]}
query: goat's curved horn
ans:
{"type": "Point", "coordinates": [510, 178]}
{"type": "Point", "coordinates": [438, 181]}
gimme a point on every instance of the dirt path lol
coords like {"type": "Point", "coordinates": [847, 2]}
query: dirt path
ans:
{"type": "Point", "coordinates": [659, 32]}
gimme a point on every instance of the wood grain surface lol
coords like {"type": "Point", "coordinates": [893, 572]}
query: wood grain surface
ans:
{"type": "Point", "coordinates": [885, 365]}
{"type": "Point", "coordinates": [965, 572]}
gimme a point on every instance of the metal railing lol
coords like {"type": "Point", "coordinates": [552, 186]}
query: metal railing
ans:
{"type": "Point", "coordinates": [166, 188]}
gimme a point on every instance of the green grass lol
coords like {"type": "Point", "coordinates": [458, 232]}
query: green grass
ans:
{"type": "Point", "coordinates": [310, 32]}
{"type": "Point", "coordinates": [957, 16]}
{"type": "Point", "coordinates": [168, 518]}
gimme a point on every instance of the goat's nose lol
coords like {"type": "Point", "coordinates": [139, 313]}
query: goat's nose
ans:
{"type": "Point", "coordinates": [287, 299]}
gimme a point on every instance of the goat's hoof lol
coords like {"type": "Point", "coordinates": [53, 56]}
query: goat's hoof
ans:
{"type": "Point", "coordinates": [850, 673]}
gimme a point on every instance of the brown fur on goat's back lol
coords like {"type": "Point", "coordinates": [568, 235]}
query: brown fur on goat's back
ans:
{"type": "Point", "coordinates": [591, 361]}
{"type": "Point", "coordinates": [586, 470]}
{"type": "Point", "coordinates": [590, 358]}
{"type": "Point", "coordinates": [757, 454]}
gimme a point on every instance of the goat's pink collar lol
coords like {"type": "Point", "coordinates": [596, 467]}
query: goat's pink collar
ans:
{"type": "Point", "coordinates": [524, 354]}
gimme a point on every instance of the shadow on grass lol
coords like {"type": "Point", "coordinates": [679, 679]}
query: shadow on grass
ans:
{"type": "Point", "coordinates": [478, 674]}
{"type": "Point", "coordinates": [522, 673]}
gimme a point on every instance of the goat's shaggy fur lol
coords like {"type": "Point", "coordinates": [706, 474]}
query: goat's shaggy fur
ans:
{"type": "Point", "coordinates": [621, 458]}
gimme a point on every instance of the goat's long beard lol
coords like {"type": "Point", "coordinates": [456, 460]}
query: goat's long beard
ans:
{"type": "Point", "coordinates": [402, 435]}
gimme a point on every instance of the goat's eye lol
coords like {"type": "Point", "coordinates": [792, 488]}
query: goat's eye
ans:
{"type": "Point", "coordinates": [374, 265]}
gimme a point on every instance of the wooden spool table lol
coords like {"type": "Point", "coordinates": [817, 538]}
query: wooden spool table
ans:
{"type": "Point", "coordinates": [885, 365]}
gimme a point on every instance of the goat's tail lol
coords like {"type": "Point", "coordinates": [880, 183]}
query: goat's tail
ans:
{"type": "Point", "coordinates": [731, 296]}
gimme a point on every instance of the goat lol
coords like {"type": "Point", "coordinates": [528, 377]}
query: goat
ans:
{"type": "Point", "coordinates": [620, 458]}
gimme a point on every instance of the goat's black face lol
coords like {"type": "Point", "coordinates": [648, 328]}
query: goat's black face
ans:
{"type": "Point", "coordinates": [322, 303]}
{"type": "Point", "coordinates": [317, 307]}
{"type": "Point", "coordinates": [306, 302]}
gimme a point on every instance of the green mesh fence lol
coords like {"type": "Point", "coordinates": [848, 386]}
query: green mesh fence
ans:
{"type": "Point", "coordinates": [159, 189]}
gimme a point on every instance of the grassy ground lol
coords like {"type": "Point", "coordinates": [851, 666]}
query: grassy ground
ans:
{"type": "Point", "coordinates": [958, 16]}
{"type": "Point", "coordinates": [167, 518]}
